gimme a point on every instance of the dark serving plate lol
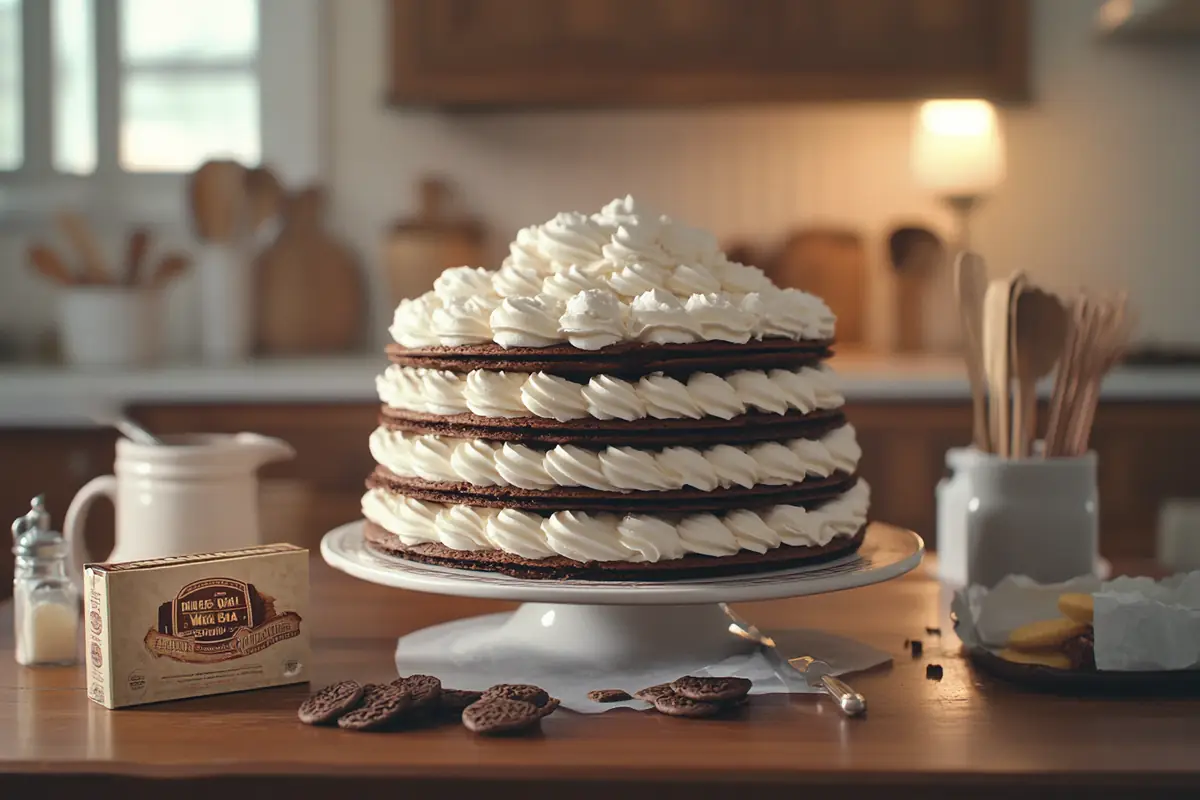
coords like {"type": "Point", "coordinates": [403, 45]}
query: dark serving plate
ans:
{"type": "Point", "coordinates": [1070, 682]}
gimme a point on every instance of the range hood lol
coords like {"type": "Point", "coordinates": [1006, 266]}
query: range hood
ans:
{"type": "Point", "coordinates": [1150, 19]}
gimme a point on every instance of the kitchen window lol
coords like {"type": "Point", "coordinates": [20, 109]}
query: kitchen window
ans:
{"type": "Point", "coordinates": [105, 105]}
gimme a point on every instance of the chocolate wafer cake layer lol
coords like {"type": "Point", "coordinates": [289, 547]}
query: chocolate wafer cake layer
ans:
{"type": "Point", "coordinates": [808, 493]}
{"type": "Point", "coordinates": [642, 433]}
{"type": "Point", "coordinates": [625, 359]}
{"type": "Point", "coordinates": [559, 568]}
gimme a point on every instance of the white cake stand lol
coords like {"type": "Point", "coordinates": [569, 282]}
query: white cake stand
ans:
{"type": "Point", "coordinates": [608, 624]}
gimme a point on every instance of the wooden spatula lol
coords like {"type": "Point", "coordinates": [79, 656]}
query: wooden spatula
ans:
{"type": "Point", "coordinates": [49, 264]}
{"type": "Point", "coordinates": [169, 268]}
{"type": "Point", "coordinates": [135, 255]}
{"type": "Point", "coordinates": [1039, 330]}
{"type": "Point", "coordinates": [81, 237]}
{"type": "Point", "coordinates": [997, 359]}
{"type": "Point", "coordinates": [970, 286]}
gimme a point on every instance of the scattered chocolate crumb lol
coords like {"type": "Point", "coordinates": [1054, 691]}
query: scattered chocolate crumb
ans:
{"type": "Point", "coordinates": [933, 631]}
{"type": "Point", "coordinates": [933, 672]}
{"type": "Point", "coordinates": [907, 642]}
{"type": "Point", "coordinates": [917, 647]}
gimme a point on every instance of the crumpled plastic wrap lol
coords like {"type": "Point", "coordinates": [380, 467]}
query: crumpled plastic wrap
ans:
{"type": "Point", "coordinates": [1141, 624]}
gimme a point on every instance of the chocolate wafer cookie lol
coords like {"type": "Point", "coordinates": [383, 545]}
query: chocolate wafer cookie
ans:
{"type": "Point", "coordinates": [387, 706]}
{"type": "Point", "coordinates": [500, 715]}
{"type": "Point", "coordinates": [372, 692]}
{"type": "Point", "coordinates": [609, 695]}
{"type": "Point", "coordinates": [424, 689]}
{"type": "Point", "coordinates": [455, 700]}
{"type": "Point", "coordinates": [535, 695]}
{"type": "Point", "coordinates": [676, 705]}
{"type": "Point", "coordinates": [652, 693]}
{"type": "Point", "coordinates": [549, 708]}
{"type": "Point", "coordinates": [326, 705]}
{"type": "Point", "coordinates": [712, 690]}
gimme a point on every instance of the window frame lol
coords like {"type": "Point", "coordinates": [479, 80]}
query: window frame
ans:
{"type": "Point", "coordinates": [291, 72]}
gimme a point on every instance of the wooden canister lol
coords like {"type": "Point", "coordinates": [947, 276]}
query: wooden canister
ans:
{"type": "Point", "coordinates": [416, 250]}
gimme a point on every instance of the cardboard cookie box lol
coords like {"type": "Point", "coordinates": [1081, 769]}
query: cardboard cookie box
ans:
{"type": "Point", "coordinates": [188, 626]}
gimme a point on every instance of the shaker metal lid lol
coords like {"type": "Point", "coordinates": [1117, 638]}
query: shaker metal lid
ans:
{"type": "Point", "coordinates": [32, 536]}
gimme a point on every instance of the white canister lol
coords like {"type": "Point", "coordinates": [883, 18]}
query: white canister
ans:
{"type": "Point", "coordinates": [998, 517]}
{"type": "Point", "coordinates": [226, 317]}
{"type": "Point", "coordinates": [109, 326]}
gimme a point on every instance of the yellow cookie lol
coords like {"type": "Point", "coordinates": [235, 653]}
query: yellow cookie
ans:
{"type": "Point", "coordinates": [1077, 607]}
{"type": "Point", "coordinates": [1042, 658]}
{"type": "Point", "coordinates": [1045, 634]}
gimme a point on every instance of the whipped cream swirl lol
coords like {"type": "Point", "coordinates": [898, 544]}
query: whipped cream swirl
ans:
{"type": "Point", "coordinates": [610, 537]}
{"type": "Point", "coordinates": [502, 394]}
{"type": "Point", "coordinates": [615, 469]}
{"type": "Point", "coordinates": [671, 279]}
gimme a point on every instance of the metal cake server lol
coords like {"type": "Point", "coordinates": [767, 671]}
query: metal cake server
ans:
{"type": "Point", "coordinates": [817, 673]}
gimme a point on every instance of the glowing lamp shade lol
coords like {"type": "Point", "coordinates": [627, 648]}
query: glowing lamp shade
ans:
{"type": "Point", "coordinates": [958, 147]}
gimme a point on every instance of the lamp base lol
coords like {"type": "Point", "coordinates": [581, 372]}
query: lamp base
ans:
{"type": "Point", "coordinates": [963, 205]}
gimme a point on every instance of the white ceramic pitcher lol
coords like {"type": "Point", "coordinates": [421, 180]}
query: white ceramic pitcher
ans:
{"type": "Point", "coordinates": [194, 493]}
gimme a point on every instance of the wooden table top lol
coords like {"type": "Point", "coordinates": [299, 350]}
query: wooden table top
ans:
{"type": "Point", "coordinates": [966, 731]}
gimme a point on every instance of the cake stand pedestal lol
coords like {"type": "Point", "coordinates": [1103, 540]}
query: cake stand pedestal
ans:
{"type": "Point", "coordinates": [607, 625]}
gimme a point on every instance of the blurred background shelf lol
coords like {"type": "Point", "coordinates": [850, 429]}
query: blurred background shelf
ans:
{"type": "Point", "coordinates": [489, 54]}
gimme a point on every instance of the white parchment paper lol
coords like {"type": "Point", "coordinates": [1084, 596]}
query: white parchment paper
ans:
{"type": "Point", "coordinates": [440, 651]}
{"type": "Point", "coordinates": [1141, 624]}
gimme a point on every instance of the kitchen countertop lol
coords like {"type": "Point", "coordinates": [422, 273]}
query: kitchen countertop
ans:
{"type": "Point", "coordinates": [32, 396]}
{"type": "Point", "coordinates": [966, 734]}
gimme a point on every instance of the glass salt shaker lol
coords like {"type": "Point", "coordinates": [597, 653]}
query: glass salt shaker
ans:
{"type": "Point", "coordinates": [45, 599]}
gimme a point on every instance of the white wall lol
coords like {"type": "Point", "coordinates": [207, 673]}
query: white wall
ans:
{"type": "Point", "coordinates": [1103, 185]}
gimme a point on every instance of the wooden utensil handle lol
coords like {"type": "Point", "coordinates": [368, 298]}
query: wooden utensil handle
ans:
{"type": "Point", "coordinates": [980, 435]}
{"type": "Point", "coordinates": [435, 195]}
{"type": "Point", "coordinates": [48, 264]}
{"type": "Point", "coordinates": [84, 241]}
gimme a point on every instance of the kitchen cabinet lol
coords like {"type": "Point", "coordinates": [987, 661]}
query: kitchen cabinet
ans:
{"type": "Point", "coordinates": [578, 53]}
{"type": "Point", "coordinates": [1148, 452]}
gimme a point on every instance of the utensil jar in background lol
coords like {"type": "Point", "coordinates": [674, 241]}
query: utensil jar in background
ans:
{"type": "Point", "coordinates": [1032, 516]}
{"type": "Point", "coordinates": [106, 325]}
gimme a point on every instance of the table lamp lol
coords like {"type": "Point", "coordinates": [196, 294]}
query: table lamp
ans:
{"type": "Point", "coordinates": [958, 153]}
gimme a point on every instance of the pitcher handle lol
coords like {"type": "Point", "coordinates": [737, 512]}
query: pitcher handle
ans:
{"type": "Point", "coordinates": [76, 519]}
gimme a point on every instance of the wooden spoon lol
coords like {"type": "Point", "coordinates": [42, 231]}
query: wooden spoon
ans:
{"type": "Point", "coordinates": [48, 264]}
{"type": "Point", "coordinates": [1064, 381]}
{"type": "Point", "coordinates": [995, 360]}
{"type": "Point", "coordinates": [135, 255]}
{"type": "Point", "coordinates": [264, 195]}
{"type": "Point", "coordinates": [170, 267]}
{"type": "Point", "coordinates": [1039, 330]}
{"type": "Point", "coordinates": [217, 194]}
{"type": "Point", "coordinates": [81, 237]}
{"type": "Point", "coordinates": [970, 286]}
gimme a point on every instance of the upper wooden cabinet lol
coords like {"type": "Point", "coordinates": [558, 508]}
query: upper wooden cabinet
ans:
{"type": "Point", "coordinates": [523, 53]}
